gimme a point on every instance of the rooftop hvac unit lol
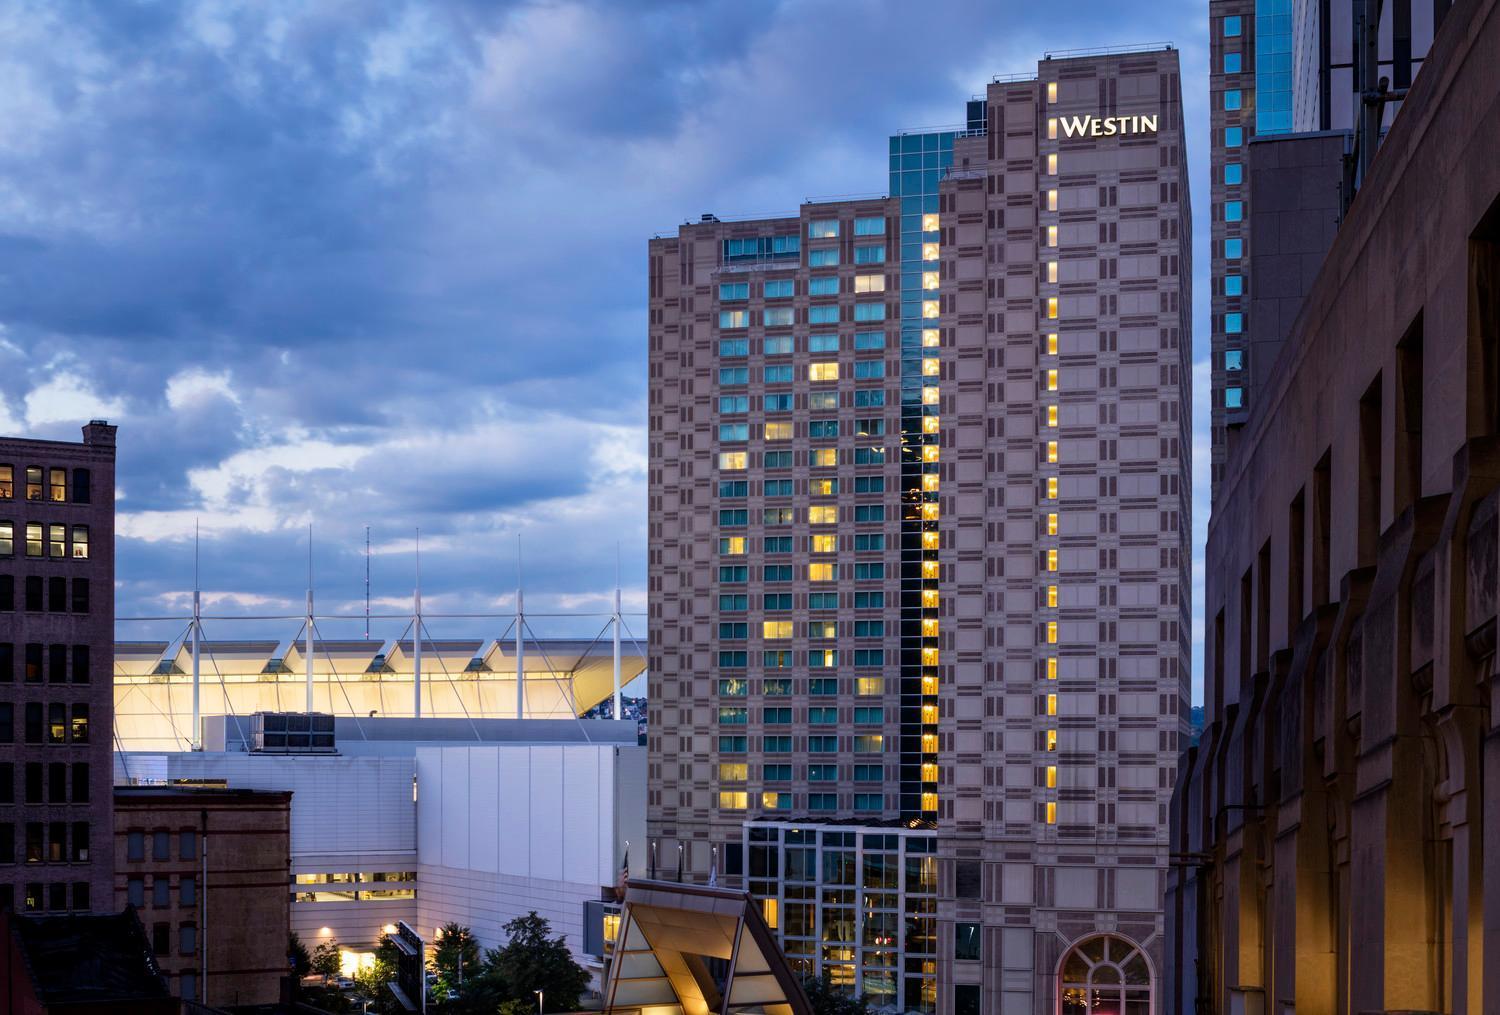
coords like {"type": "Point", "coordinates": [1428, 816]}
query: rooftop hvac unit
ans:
{"type": "Point", "coordinates": [292, 733]}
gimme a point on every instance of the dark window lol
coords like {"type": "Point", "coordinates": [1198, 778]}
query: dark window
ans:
{"type": "Point", "coordinates": [965, 999]}
{"type": "Point", "coordinates": [80, 664]}
{"type": "Point", "coordinates": [135, 892]}
{"type": "Point", "coordinates": [7, 593]}
{"type": "Point", "coordinates": [33, 722]}
{"type": "Point", "coordinates": [33, 663]}
{"type": "Point", "coordinates": [80, 486]}
{"type": "Point", "coordinates": [1371, 433]}
{"type": "Point", "coordinates": [57, 722]}
{"type": "Point", "coordinates": [80, 782]}
{"type": "Point", "coordinates": [161, 892]}
{"type": "Point", "coordinates": [57, 782]}
{"type": "Point", "coordinates": [7, 842]}
{"type": "Point", "coordinates": [187, 939]}
{"type": "Point", "coordinates": [7, 722]}
{"type": "Point", "coordinates": [80, 841]}
{"type": "Point", "coordinates": [135, 845]}
{"type": "Point", "coordinates": [187, 891]}
{"type": "Point", "coordinates": [57, 664]}
{"type": "Point", "coordinates": [7, 782]}
{"type": "Point", "coordinates": [33, 842]}
{"type": "Point", "coordinates": [34, 774]}
{"type": "Point", "coordinates": [57, 594]}
{"type": "Point", "coordinates": [7, 662]}
{"type": "Point", "coordinates": [57, 896]}
{"type": "Point", "coordinates": [966, 941]}
{"type": "Point", "coordinates": [81, 896]}
{"type": "Point", "coordinates": [57, 842]}
{"type": "Point", "coordinates": [161, 845]}
{"type": "Point", "coordinates": [187, 845]}
{"type": "Point", "coordinates": [161, 939]}
{"type": "Point", "coordinates": [80, 595]}
{"type": "Point", "coordinates": [34, 593]}
{"type": "Point", "coordinates": [967, 878]}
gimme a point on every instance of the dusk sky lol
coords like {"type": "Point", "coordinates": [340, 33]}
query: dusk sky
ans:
{"type": "Point", "coordinates": [384, 263]}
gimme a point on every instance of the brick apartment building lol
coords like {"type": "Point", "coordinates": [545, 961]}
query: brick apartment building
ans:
{"type": "Point", "coordinates": [57, 570]}
{"type": "Point", "coordinates": [209, 872]}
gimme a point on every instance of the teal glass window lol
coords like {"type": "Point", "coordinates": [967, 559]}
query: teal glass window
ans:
{"type": "Point", "coordinates": [734, 403]}
{"type": "Point", "coordinates": [780, 288]}
{"type": "Point", "coordinates": [1233, 99]}
{"type": "Point", "coordinates": [734, 318]}
{"type": "Point", "coordinates": [823, 315]}
{"type": "Point", "coordinates": [825, 286]}
{"type": "Point", "coordinates": [1234, 398]}
{"type": "Point", "coordinates": [823, 343]}
{"type": "Point", "coordinates": [734, 431]}
{"type": "Point", "coordinates": [823, 229]}
{"type": "Point", "coordinates": [826, 258]}
{"type": "Point", "coordinates": [734, 290]}
{"type": "Point", "coordinates": [1234, 359]}
{"type": "Point", "coordinates": [871, 253]}
{"type": "Point", "coordinates": [778, 317]}
{"type": "Point", "coordinates": [1234, 248]}
{"type": "Point", "coordinates": [778, 403]}
{"type": "Point", "coordinates": [1234, 324]}
{"type": "Point", "coordinates": [778, 345]}
{"type": "Point", "coordinates": [1234, 137]}
{"type": "Point", "coordinates": [867, 340]}
{"type": "Point", "coordinates": [869, 226]}
{"type": "Point", "coordinates": [777, 744]}
{"type": "Point", "coordinates": [1234, 211]}
{"type": "Point", "coordinates": [779, 374]}
{"type": "Point", "coordinates": [869, 311]}
{"type": "Point", "coordinates": [1232, 27]}
{"type": "Point", "coordinates": [1234, 173]}
{"type": "Point", "coordinates": [1232, 63]}
{"type": "Point", "coordinates": [734, 375]}
{"type": "Point", "coordinates": [734, 347]}
{"type": "Point", "coordinates": [1234, 285]}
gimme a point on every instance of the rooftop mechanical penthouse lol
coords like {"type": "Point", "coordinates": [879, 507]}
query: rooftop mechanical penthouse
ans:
{"type": "Point", "coordinates": [919, 573]}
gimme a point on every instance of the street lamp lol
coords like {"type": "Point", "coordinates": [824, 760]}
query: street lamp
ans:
{"type": "Point", "coordinates": [538, 994]}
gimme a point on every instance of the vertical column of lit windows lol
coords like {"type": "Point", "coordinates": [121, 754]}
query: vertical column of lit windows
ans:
{"type": "Point", "coordinates": [931, 444]}
{"type": "Point", "coordinates": [1051, 411]}
{"type": "Point", "coordinates": [1242, 89]}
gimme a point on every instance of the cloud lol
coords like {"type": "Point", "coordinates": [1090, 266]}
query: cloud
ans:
{"type": "Point", "coordinates": [346, 264]}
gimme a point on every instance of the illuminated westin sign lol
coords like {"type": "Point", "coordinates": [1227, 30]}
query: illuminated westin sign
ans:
{"type": "Point", "coordinates": [1106, 126]}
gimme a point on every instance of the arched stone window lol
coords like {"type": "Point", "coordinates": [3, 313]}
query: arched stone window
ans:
{"type": "Point", "coordinates": [1105, 975]}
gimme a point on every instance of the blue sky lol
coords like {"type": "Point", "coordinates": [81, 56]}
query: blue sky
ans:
{"type": "Point", "coordinates": [383, 263]}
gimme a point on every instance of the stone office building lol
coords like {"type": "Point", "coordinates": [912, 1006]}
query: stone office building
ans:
{"type": "Point", "coordinates": [57, 573]}
{"type": "Point", "coordinates": [1336, 824]}
{"type": "Point", "coordinates": [919, 507]}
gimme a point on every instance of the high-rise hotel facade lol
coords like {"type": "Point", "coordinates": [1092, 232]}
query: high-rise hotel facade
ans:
{"type": "Point", "coordinates": [919, 570]}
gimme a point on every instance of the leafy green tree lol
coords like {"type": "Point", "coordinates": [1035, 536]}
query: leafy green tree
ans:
{"type": "Point", "coordinates": [455, 956]}
{"type": "Point", "coordinates": [297, 956]}
{"type": "Point", "coordinates": [372, 980]}
{"type": "Point", "coordinates": [826, 999]}
{"type": "Point", "coordinates": [533, 960]}
{"type": "Point", "coordinates": [325, 958]}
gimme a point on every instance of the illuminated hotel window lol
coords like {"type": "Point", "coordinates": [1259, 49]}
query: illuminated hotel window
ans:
{"type": "Point", "coordinates": [1052, 488]}
{"type": "Point", "coordinates": [1051, 560]}
{"type": "Point", "coordinates": [930, 309]}
{"type": "Point", "coordinates": [823, 629]}
{"type": "Point", "coordinates": [1051, 632]}
{"type": "Point", "coordinates": [1052, 273]}
{"type": "Point", "coordinates": [1052, 523]}
{"type": "Point", "coordinates": [778, 431]}
{"type": "Point", "coordinates": [1052, 415]}
{"type": "Point", "coordinates": [824, 457]}
{"type": "Point", "coordinates": [1051, 812]}
{"type": "Point", "coordinates": [822, 371]}
{"type": "Point", "coordinates": [930, 367]}
{"type": "Point", "coordinates": [733, 799]}
{"type": "Point", "coordinates": [929, 599]}
{"type": "Point", "coordinates": [1052, 199]}
{"type": "Point", "coordinates": [1052, 236]}
{"type": "Point", "coordinates": [930, 512]}
{"type": "Point", "coordinates": [1052, 343]}
{"type": "Point", "coordinates": [929, 251]}
{"type": "Point", "coordinates": [1052, 164]}
{"type": "Point", "coordinates": [776, 801]}
{"type": "Point", "coordinates": [1052, 740]}
{"type": "Point", "coordinates": [930, 280]}
{"type": "Point", "coordinates": [1052, 777]}
{"type": "Point", "coordinates": [825, 514]}
{"type": "Point", "coordinates": [733, 771]}
{"type": "Point", "coordinates": [1052, 452]}
{"type": "Point", "coordinates": [929, 223]}
{"type": "Point", "coordinates": [929, 802]}
{"type": "Point", "coordinates": [1052, 668]}
{"type": "Point", "coordinates": [1052, 308]}
{"type": "Point", "coordinates": [1052, 128]}
{"type": "Point", "coordinates": [930, 424]}
{"type": "Point", "coordinates": [820, 572]}
{"type": "Point", "coordinates": [823, 229]}
{"type": "Point", "coordinates": [732, 546]}
{"type": "Point", "coordinates": [734, 318]}
{"type": "Point", "coordinates": [1052, 596]}
{"type": "Point", "coordinates": [776, 629]}
{"type": "Point", "coordinates": [732, 460]}
{"type": "Point", "coordinates": [1052, 379]}
{"type": "Point", "coordinates": [869, 685]}
{"type": "Point", "coordinates": [1051, 92]}
{"type": "Point", "coordinates": [930, 626]}
{"type": "Point", "coordinates": [823, 487]}
{"type": "Point", "coordinates": [1051, 704]}
{"type": "Point", "coordinates": [930, 338]}
{"type": "Point", "coordinates": [825, 543]}
{"type": "Point", "coordinates": [930, 396]}
{"type": "Point", "coordinates": [869, 283]}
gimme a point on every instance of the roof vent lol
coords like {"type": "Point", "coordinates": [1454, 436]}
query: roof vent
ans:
{"type": "Point", "coordinates": [709, 217]}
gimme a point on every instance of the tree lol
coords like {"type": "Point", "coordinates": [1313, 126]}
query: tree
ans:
{"type": "Point", "coordinates": [455, 956]}
{"type": "Point", "coordinates": [532, 960]}
{"type": "Point", "coordinates": [297, 956]}
{"type": "Point", "coordinates": [373, 978]}
{"type": "Point", "coordinates": [826, 999]}
{"type": "Point", "coordinates": [325, 958]}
